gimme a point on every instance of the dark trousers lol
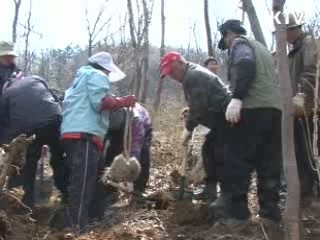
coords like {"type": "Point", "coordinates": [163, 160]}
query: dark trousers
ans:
{"type": "Point", "coordinates": [305, 161]}
{"type": "Point", "coordinates": [141, 183]}
{"type": "Point", "coordinates": [254, 144]}
{"type": "Point", "coordinates": [48, 135]}
{"type": "Point", "coordinates": [84, 158]}
{"type": "Point", "coordinates": [208, 158]}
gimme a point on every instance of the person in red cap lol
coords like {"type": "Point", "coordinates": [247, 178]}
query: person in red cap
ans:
{"type": "Point", "coordinates": [207, 98]}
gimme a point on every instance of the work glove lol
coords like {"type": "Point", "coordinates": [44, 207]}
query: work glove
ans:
{"type": "Point", "coordinates": [112, 103]}
{"type": "Point", "coordinates": [129, 101]}
{"type": "Point", "coordinates": [233, 113]}
{"type": "Point", "coordinates": [298, 102]}
{"type": "Point", "coordinates": [185, 137]}
{"type": "Point", "coordinates": [184, 112]}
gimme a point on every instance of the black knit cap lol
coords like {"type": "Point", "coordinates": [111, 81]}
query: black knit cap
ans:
{"type": "Point", "coordinates": [234, 26]}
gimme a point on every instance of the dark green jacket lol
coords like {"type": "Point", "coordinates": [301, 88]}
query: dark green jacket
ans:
{"type": "Point", "coordinates": [252, 74]}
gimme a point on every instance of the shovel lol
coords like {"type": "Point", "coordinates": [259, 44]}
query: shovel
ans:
{"type": "Point", "coordinates": [183, 180]}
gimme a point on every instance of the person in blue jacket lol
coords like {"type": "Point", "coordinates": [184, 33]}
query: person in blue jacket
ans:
{"type": "Point", "coordinates": [85, 122]}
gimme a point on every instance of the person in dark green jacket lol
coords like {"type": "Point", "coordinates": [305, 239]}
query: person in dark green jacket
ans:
{"type": "Point", "coordinates": [254, 137]}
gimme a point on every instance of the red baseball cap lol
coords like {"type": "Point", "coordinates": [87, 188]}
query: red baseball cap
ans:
{"type": "Point", "coordinates": [166, 61]}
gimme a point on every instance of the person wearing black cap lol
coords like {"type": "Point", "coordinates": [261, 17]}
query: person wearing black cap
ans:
{"type": "Point", "coordinates": [254, 136]}
{"type": "Point", "coordinates": [302, 66]}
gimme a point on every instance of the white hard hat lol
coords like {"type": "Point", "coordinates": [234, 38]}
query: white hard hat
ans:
{"type": "Point", "coordinates": [104, 60]}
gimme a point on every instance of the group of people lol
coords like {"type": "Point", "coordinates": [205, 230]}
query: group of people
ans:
{"type": "Point", "coordinates": [244, 118]}
{"type": "Point", "coordinates": [77, 127]}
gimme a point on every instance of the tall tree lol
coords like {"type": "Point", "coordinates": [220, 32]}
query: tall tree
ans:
{"type": "Point", "coordinates": [292, 211]}
{"type": "Point", "coordinates": [208, 28]}
{"type": "Point", "coordinates": [157, 98]}
{"type": "Point", "coordinates": [147, 20]}
{"type": "Point", "coordinates": [137, 33]}
{"type": "Point", "coordinates": [254, 21]}
{"type": "Point", "coordinates": [17, 4]}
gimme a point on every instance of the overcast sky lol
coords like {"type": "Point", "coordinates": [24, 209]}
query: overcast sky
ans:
{"type": "Point", "coordinates": [62, 22]}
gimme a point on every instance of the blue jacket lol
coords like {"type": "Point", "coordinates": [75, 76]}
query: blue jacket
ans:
{"type": "Point", "coordinates": [82, 103]}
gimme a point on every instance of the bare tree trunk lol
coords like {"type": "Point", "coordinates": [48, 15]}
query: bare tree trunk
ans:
{"type": "Point", "coordinates": [131, 24]}
{"type": "Point", "coordinates": [17, 4]}
{"type": "Point", "coordinates": [292, 211]}
{"type": "Point", "coordinates": [138, 79]}
{"type": "Point", "coordinates": [135, 78]}
{"type": "Point", "coordinates": [90, 47]}
{"type": "Point", "coordinates": [145, 85]}
{"type": "Point", "coordinates": [157, 99]}
{"type": "Point", "coordinates": [208, 28]}
{"type": "Point", "coordinates": [27, 36]}
{"type": "Point", "coordinates": [254, 21]}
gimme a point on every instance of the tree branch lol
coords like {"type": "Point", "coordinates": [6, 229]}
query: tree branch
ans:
{"type": "Point", "coordinates": [101, 28]}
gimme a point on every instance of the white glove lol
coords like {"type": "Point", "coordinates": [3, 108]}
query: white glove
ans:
{"type": "Point", "coordinates": [298, 102]}
{"type": "Point", "coordinates": [185, 137]}
{"type": "Point", "coordinates": [234, 111]}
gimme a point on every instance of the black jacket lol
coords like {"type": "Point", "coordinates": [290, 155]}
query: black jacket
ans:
{"type": "Point", "coordinates": [28, 105]}
{"type": "Point", "coordinates": [207, 96]}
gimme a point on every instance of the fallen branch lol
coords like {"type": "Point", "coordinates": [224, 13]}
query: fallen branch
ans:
{"type": "Point", "coordinates": [264, 232]}
{"type": "Point", "coordinates": [18, 201]}
{"type": "Point", "coordinates": [13, 154]}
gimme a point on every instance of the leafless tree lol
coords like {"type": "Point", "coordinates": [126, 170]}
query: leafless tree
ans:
{"type": "Point", "coordinates": [208, 28]}
{"type": "Point", "coordinates": [135, 40]}
{"type": "Point", "coordinates": [137, 33]}
{"type": "Point", "coordinates": [94, 31]}
{"type": "Point", "coordinates": [254, 21]}
{"type": "Point", "coordinates": [292, 211]}
{"type": "Point", "coordinates": [17, 4]}
{"type": "Point", "coordinates": [147, 19]}
{"type": "Point", "coordinates": [157, 99]}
